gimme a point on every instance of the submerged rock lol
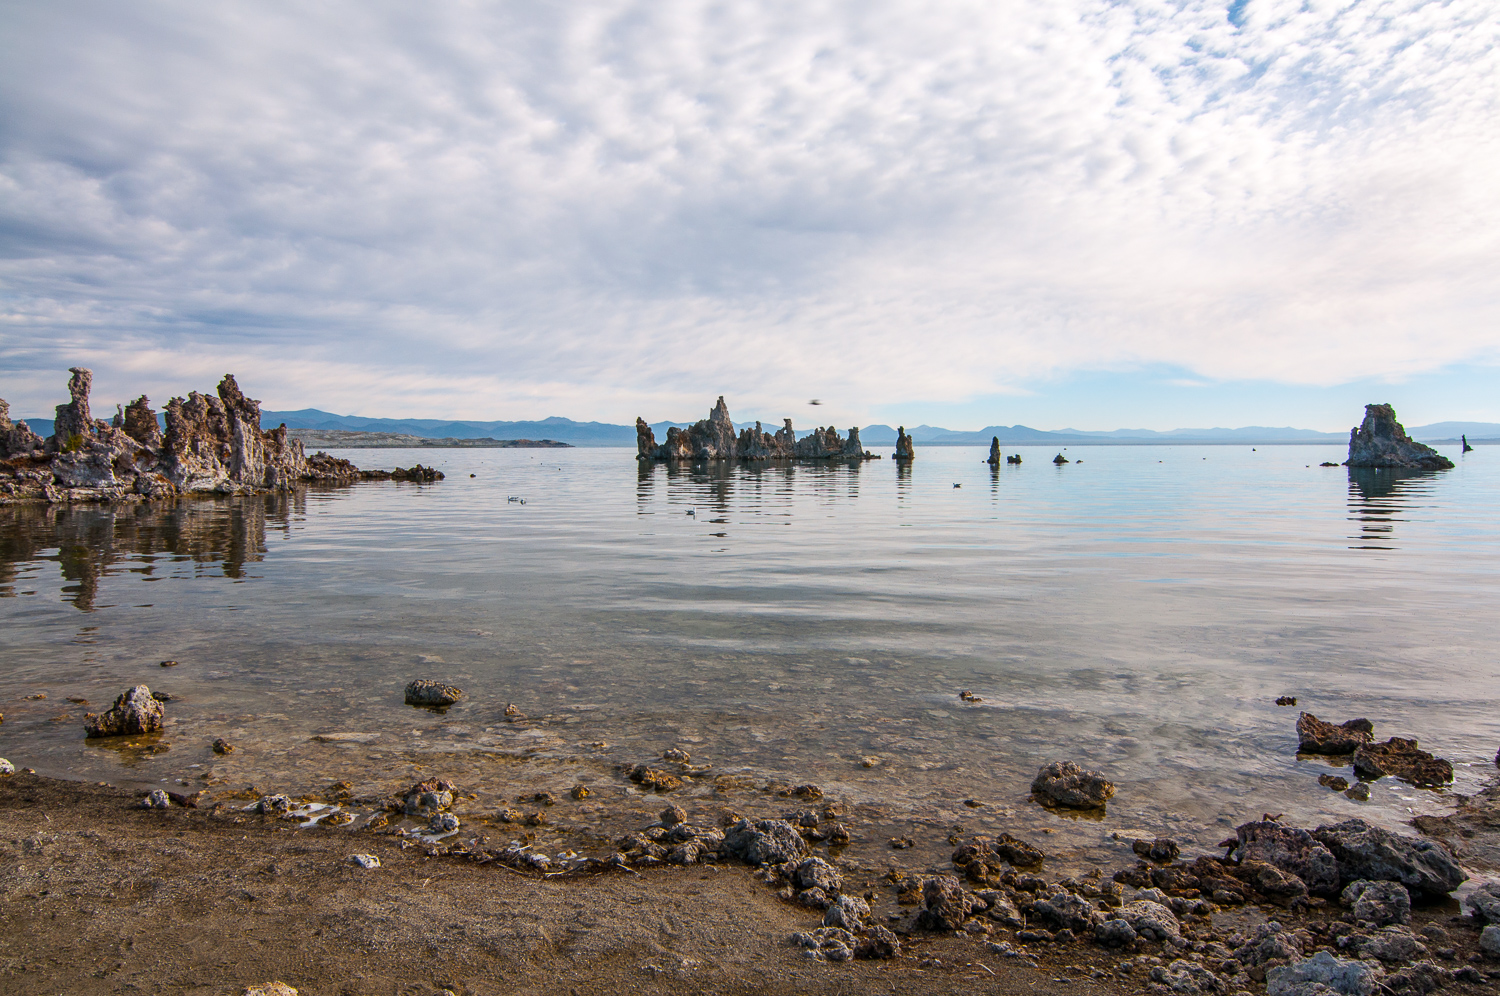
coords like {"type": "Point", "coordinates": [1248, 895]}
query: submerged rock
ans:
{"type": "Point", "coordinates": [1162, 850]}
{"type": "Point", "coordinates": [423, 692]}
{"type": "Point", "coordinates": [1381, 441]}
{"type": "Point", "coordinates": [1314, 736]}
{"type": "Point", "coordinates": [1403, 759]}
{"type": "Point", "coordinates": [1064, 783]}
{"type": "Point", "coordinates": [134, 712]}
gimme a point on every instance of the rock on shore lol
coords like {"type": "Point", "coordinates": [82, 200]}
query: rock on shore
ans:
{"type": "Point", "coordinates": [1381, 441]}
{"type": "Point", "coordinates": [211, 443]}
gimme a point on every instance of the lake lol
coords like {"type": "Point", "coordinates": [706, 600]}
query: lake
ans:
{"type": "Point", "coordinates": [1137, 610]}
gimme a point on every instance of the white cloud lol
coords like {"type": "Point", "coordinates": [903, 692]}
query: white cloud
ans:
{"type": "Point", "coordinates": [511, 210]}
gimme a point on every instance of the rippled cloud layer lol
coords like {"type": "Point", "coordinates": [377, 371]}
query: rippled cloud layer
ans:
{"type": "Point", "coordinates": [510, 210]}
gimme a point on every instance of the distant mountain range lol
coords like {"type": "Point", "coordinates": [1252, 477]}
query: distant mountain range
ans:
{"type": "Point", "coordinates": [566, 430]}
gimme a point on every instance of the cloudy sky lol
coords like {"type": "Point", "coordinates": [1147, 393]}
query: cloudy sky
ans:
{"type": "Point", "coordinates": [1150, 213]}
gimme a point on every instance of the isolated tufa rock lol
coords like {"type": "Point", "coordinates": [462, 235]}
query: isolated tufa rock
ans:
{"type": "Point", "coordinates": [994, 457]}
{"type": "Point", "coordinates": [763, 842]}
{"type": "Point", "coordinates": [1380, 441]}
{"type": "Point", "coordinates": [423, 692]}
{"type": "Point", "coordinates": [1324, 975]}
{"type": "Point", "coordinates": [1292, 850]}
{"type": "Point", "coordinates": [1064, 783]}
{"type": "Point", "coordinates": [134, 712]}
{"type": "Point", "coordinates": [1365, 851]}
{"type": "Point", "coordinates": [1403, 759]}
{"type": "Point", "coordinates": [905, 450]}
{"type": "Point", "coordinates": [1379, 903]}
{"type": "Point", "coordinates": [1314, 736]}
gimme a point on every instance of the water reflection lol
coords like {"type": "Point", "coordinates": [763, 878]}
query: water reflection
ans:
{"type": "Point", "coordinates": [1378, 500]}
{"type": "Point", "coordinates": [88, 543]}
{"type": "Point", "coordinates": [712, 491]}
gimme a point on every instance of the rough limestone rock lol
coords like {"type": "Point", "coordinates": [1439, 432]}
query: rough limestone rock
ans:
{"type": "Point", "coordinates": [879, 942]}
{"type": "Point", "coordinates": [1270, 880]}
{"type": "Point", "coordinates": [905, 450]}
{"type": "Point", "coordinates": [1489, 941]}
{"type": "Point", "coordinates": [1403, 759]}
{"type": "Point", "coordinates": [1064, 911]}
{"type": "Point", "coordinates": [1292, 850]}
{"type": "Point", "coordinates": [1380, 441]}
{"type": "Point", "coordinates": [994, 457]}
{"type": "Point", "coordinates": [211, 444]}
{"type": "Point", "coordinates": [1484, 903]}
{"type": "Point", "coordinates": [849, 912]}
{"type": "Point", "coordinates": [1267, 946]}
{"type": "Point", "coordinates": [714, 439]}
{"type": "Point", "coordinates": [74, 425]}
{"type": "Point", "coordinates": [815, 873]}
{"type": "Point", "coordinates": [1392, 943]}
{"type": "Point", "coordinates": [827, 943]}
{"type": "Point", "coordinates": [1324, 974]}
{"type": "Point", "coordinates": [1114, 933]}
{"type": "Point", "coordinates": [1186, 977]}
{"type": "Point", "coordinates": [423, 692]}
{"type": "Point", "coordinates": [1064, 783]}
{"type": "Point", "coordinates": [428, 797]}
{"type": "Point", "coordinates": [271, 989]}
{"type": "Point", "coordinates": [1365, 851]}
{"type": "Point", "coordinates": [1379, 903]}
{"type": "Point", "coordinates": [16, 438]}
{"type": "Point", "coordinates": [134, 712]}
{"type": "Point", "coordinates": [1314, 736]}
{"type": "Point", "coordinates": [1152, 921]}
{"type": "Point", "coordinates": [156, 799]}
{"type": "Point", "coordinates": [945, 904]}
{"type": "Point", "coordinates": [139, 423]}
{"type": "Point", "coordinates": [1018, 852]}
{"type": "Point", "coordinates": [763, 842]}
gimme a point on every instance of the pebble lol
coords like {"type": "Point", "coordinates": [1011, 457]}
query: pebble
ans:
{"type": "Point", "coordinates": [364, 860]}
{"type": "Point", "coordinates": [222, 746]}
{"type": "Point", "coordinates": [6, 768]}
{"type": "Point", "coordinates": [271, 989]}
{"type": "Point", "coordinates": [157, 799]}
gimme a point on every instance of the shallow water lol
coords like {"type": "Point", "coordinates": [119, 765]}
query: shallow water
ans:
{"type": "Point", "coordinates": [1138, 611]}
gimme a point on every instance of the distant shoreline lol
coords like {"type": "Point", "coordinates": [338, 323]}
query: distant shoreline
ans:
{"type": "Point", "coordinates": [348, 440]}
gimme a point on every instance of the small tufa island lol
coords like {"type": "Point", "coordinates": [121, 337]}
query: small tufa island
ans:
{"type": "Point", "coordinates": [714, 439]}
{"type": "Point", "coordinates": [211, 444]}
{"type": "Point", "coordinates": [1381, 441]}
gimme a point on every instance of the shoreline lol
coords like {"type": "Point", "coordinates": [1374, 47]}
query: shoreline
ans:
{"type": "Point", "coordinates": [216, 894]}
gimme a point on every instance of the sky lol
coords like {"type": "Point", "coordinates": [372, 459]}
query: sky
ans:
{"type": "Point", "coordinates": [1138, 213]}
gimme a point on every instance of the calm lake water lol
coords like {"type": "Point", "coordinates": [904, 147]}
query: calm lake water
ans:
{"type": "Point", "coordinates": [1138, 610]}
